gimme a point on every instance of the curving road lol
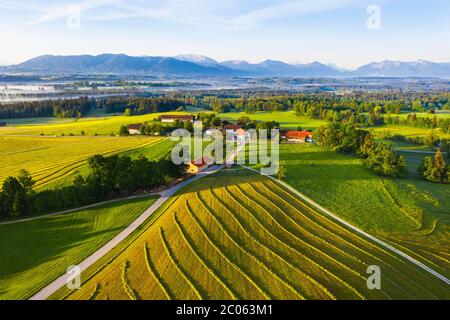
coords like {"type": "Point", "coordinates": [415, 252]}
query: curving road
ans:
{"type": "Point", "coordinates": [363, 233]}
{"type": "Point", "coordinates": [165, 195]}
{"type": "Point", "coordinates": [62, 280]}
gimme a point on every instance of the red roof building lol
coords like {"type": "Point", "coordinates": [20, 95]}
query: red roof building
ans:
{"type": "Point", "coordinates": [232, 127]}
{"type": "Point", "coordinates": [297, 136]}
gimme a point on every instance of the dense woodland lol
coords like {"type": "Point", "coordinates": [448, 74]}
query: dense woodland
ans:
{"type": "Point", "coordinates": [73, 108]}
{"type": "Point", "coordinates": [77, 108]}
{"type": "Point", "coordinates": [362, 108]}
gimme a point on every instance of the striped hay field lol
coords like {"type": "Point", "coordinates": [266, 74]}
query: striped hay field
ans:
{"type": "Point", "coordinates": [237, 235]}
{"type": "Point", "coordinates": [49, 158]}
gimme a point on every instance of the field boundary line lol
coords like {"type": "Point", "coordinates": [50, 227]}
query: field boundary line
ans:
{"type": "Point", "coordinates": [349, 225]}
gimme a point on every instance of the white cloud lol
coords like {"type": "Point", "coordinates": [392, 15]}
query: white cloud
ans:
{"type": "Point", "coordinates": [232, 13]}
{"type": "Point", "coordinates": [287, 8]}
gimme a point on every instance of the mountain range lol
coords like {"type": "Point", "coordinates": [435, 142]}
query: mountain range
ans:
{"type": "Point", "coordinates": [190, 65]}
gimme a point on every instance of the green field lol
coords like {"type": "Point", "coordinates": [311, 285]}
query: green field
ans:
{"type": "Point", "coordinates": [34, 253]}
{"type": "Point", "coordinates": [409, 131]}
{"type": "Point", "coordinates": [91, 125]}
{"type": "Point", "coordinates": [411, 212]}
{"type": "Point", "coordinates": [441, 114]}
{"type": "Point", "coordinates": [239, 235]}
{"type": "Point", "coordinates": [287, 119]}
{"type": "Point", "coordinates": [50, 159]}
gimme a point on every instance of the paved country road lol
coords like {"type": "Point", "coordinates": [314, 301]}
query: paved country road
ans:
{"type": "Point", "coordinates": [62, 280]}
{"type": "Point", "coordinates": [357, 230]}
{"type": "Point", "coordinates": [164, 195]}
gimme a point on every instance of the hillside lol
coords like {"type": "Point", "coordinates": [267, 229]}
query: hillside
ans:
{"type": "Point", "coordinates": [237, 235]}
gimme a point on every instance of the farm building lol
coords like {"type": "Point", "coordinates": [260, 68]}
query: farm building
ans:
{"type": "Point", "coordinates": [171, 118]}
{"type": "Point", "coordinates": [232, 127]}
{"type": "Point", "coordinates": [237, 132]}
{"type": "Point", "coordinates": [297, 136]}
{"type": "Point", "coordinates": [199, 165]}
{"type": "Point", "coordinates": [2, 124]}
{"type": "Point", "coordinates": [242, 135]}
{"type": "Point", "coordinates": [135, 128]}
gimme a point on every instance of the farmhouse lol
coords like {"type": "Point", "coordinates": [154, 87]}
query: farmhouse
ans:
{"type": "Point", "coordinates": [199, 165]}
{"type": "Point", "coordinates": [232, 127]}
{"type": "Point", "coordinates": [135, 128]}
{"type": "Point", "coordinates": [171, 118]}
{"type": "Point", "coordinates": [297, 136]}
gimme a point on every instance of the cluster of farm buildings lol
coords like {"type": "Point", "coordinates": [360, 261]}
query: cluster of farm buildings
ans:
{"type": "Point", "coordinates": [237, 133]}
{"type": "Point", "coordinates": [298, 136]}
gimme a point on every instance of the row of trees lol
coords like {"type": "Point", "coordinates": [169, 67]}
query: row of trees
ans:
{"type": "Point", "coordinates": [387, 101]}
{"type": "Point", "coordinates": [109, 177]}
{"type": "Point", "coordinates": [61, 108]}
{"type": "Point", "coordinates": [420, 122]}
{"type": "Point", "coordinates": [345, 138]}
{"type": "Point", "coordinates": [140, 105]}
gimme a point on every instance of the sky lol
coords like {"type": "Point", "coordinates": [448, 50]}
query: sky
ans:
{"type": "Point", "coordinates": [347, 33]}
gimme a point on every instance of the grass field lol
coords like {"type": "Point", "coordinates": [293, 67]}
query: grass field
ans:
{"type": "Point", "coordinates": [287, 119]}
{"type": "Point", "coordinates": [36, 252]}
{"type": "Point", "coordinates": [411, 212]}
{"type": "Point", "coordinates": [409, 131]}
{"type": "Point", "coordinates": [51, 159]}
{"type": "Point", "coordinates": [439, 114]}
{"type": "Point", "coordinates": [91, 125]}
{"type": "Point", "coordinates": [108, 124]}
{"type": "Point", "coordinates": [237, 235]}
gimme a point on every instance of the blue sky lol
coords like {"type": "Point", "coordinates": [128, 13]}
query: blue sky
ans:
{"type": "Point", "coordinates": [330, 31]}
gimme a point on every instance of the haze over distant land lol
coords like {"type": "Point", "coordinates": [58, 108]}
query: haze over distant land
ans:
{"type": "Point", "coordinates": [197, 65]}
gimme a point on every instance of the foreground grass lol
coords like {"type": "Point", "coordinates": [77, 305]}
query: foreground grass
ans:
{"type": "Point", "coordinates": [412, 213]}
{"type": "Point", "coordinates": [51, 159]}
{"type": "Point", "coordinates": [34, 253]}
{"type": "Point", "coordinates": [237, 235]}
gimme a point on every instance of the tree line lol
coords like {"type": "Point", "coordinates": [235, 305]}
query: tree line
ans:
{"type": "Point", "coordinates": [60, 108]}
{"type": "Point", "coordinates": [347, 138]}
{"type": "Point", "coordinates": [109, 177]}
{"type": "Point", "coordinates": [140, 105]}
{"type": "Point", "coordinates": [413, 120]}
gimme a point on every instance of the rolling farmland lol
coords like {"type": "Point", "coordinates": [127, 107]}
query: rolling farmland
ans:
{"type": "Point", "coordinates": [287, 119]}
{"type": "Point", "coordinates": [410, 213]}
{"type": "Point", "coordinates": [90, 125]}
{"type": "Point", "coordinates": [237, 235]}
{"type": "Point", "coordinates": [36, 252]}
{"type": "Point", "coordinates": [50, 159]}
